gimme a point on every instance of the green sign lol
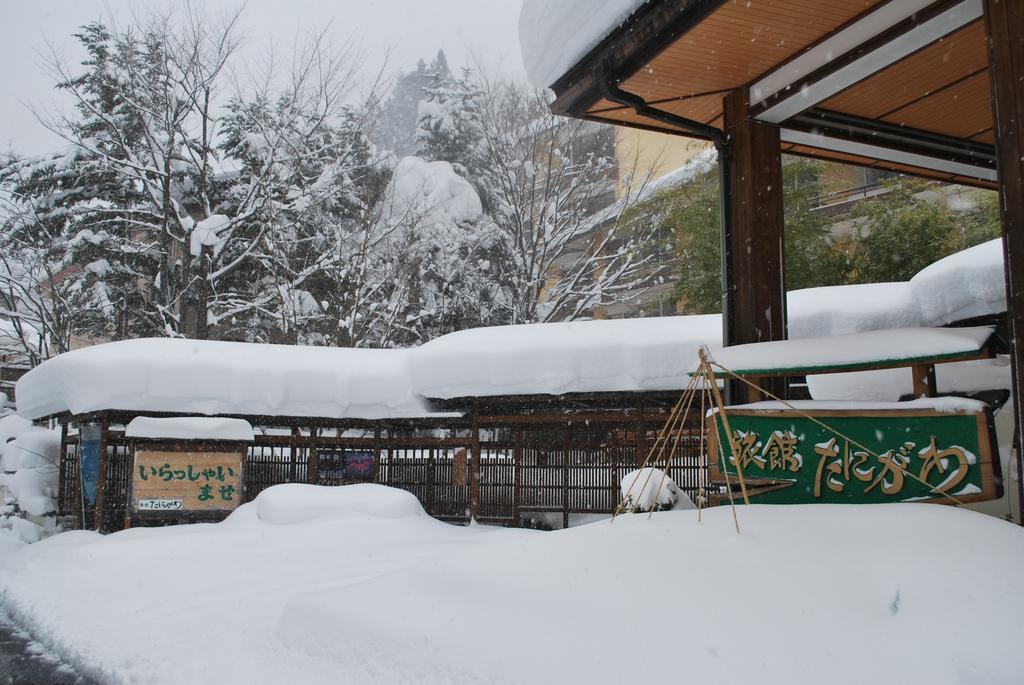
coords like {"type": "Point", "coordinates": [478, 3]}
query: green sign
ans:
{"type": "Point", "coordinates": [863, 457]}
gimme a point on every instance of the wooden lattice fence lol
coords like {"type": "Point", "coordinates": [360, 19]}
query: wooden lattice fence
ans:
{"type": "Point", "coordinates": [525, 470]}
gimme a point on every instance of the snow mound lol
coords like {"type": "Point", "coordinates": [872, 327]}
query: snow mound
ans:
{"type": "Point", "coordinates": [32, 449]}
{"type": "Point", "coordinates": [647, 489]}
{"type": "Point", "coordinates": [189, 428]}
{"type": "Point", "coordinates": [963, 285]}
{"type": "Point", "coordinates": [391, 600]}
{"type": "Point", "coordinates": [298, 503]}
{"type": "Point", "coordinates": [11, 426]}
{"type": "Point", "coordinates": [554, 36]}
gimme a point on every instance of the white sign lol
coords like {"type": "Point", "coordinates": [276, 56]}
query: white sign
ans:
{"type": "Point", "coordinates": [160, 504]}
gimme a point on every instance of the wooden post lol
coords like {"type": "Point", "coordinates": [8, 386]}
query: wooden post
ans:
{"type": "Point", "coordinates": [924, 380]}
{"type": "Point", "coordinates": [376, 454]}
{"type": "Point", "coordinates": [517, 458]}
{"type": "Point", "coordinates": [566, 449]}
{"type": "Point", "coordinates": [1003, 22]}
{"type": "Point", "coordinates": [313, 462]}
{"type": "Point", "coordinates": [101, 479]}
{"type": "Point", "coordinates": [474, 468]}
{"type": "Point", "coordinates": [62, 470]}
{"type": "Point", "coordinates": [753, 238]}
{"type": "Point", "coordinates": [755, 394]}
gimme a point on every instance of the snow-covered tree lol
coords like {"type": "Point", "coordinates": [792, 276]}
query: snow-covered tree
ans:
{"type": "Point", "coordinates": [145, 116]}
{"type": "Point", "coordinates": [308, 184]}
{"type": "Point", "coordinates": [450, 126]}
{"type": "Point", "coordinates": [569, 247]}
{"type": "Point", "coordinates": [443, 240]}
{"type": "Point", "coordinates": [54, 281]}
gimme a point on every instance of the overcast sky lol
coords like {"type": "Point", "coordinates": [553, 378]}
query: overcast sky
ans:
{"type": "Point", "coordinates": [467, 30]}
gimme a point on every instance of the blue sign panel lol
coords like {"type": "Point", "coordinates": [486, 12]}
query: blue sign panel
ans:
{"type": "Point", "coordinates": [89, 457]}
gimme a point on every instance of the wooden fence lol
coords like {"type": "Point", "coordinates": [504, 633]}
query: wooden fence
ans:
{"type": "Point", "coordinates": [527, 471]}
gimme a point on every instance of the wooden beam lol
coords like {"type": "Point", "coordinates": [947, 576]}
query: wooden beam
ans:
{"type": "Point", "coordinates": [753, 245]}
{"type": "Point", "coordinates": [817, 137]}
{"type": "Point", "coordinates": [474, 470]}
{"type": "Point", "coordinates": [1003, 22]}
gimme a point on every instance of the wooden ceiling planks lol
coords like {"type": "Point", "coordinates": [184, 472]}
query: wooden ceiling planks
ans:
{"type": "Point", "coordinates": [963, 110]}
{"type": "Point", "coordinates": [917, 76]}
{"type": "Point", "coordinates": [942, 88]}
{"type": "Point", "coordinates": [735, 45]}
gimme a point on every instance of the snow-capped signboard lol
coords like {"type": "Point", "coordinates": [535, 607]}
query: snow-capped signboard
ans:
{"type": "Point", "coordinates": [941, 450]}
{"type": "Point", "coordinates": [168, 480]}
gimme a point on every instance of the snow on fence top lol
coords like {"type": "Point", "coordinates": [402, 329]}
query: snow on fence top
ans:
{"type": "Point", "coordinates": [212, 377]}
{"type": "Point", "coordinates": [554, 36]}
{"type": "Point", "coordinates": [855, 350]}
{"type": "Point", "coordinates": [189, 428]}
{"type": "Point", "coordinates": [963, 285]}
{"type": "Point", "coordinates": [558, 358]}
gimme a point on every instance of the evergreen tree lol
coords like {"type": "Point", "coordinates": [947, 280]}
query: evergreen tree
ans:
{"type": "Point", "coordinates": [396, 129]}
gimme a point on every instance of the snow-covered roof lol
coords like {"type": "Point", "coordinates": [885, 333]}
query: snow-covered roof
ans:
{"type": "Point", "coordinates": [948, 405]}
{"type": "Point", "coordinates": [624, 355]}
{"type": "Point", "coordinates": [212, 377]}
{"type": "Point", "coordinates": [855, 349]}
{"type": "Point", "coordinates": [558, 358]}
{"type": "Point", "coordinates": [554, 36]}
{"type": "Point", "coordinates": [189, 428]}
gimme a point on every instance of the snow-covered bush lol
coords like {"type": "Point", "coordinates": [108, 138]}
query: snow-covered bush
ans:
{"type": "Point", "coordinates": [29, 466]}
{"type": "Point", "coordinates": [650, 489]}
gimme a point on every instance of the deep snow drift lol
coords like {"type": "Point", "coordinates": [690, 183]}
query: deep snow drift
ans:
{"type": "Point", "coordinates": [355, 584]}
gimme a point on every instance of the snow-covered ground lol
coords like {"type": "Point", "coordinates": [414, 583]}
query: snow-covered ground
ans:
{"type": "Point", "coordinates": [356, 585]}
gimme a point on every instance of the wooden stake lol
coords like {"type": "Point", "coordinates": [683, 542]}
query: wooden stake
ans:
{"type": "Point", "coordinates": [675, 445]}
{"type": "Point", "coordinates": [725, 421]}
{"type": "Point", "coordinates": [662, 436]}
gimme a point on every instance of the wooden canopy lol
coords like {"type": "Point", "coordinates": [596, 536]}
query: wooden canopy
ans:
{"type": "Point", "coordinates": [901, 85]}
{"type": "Point", "coordinates": [933, 88]}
